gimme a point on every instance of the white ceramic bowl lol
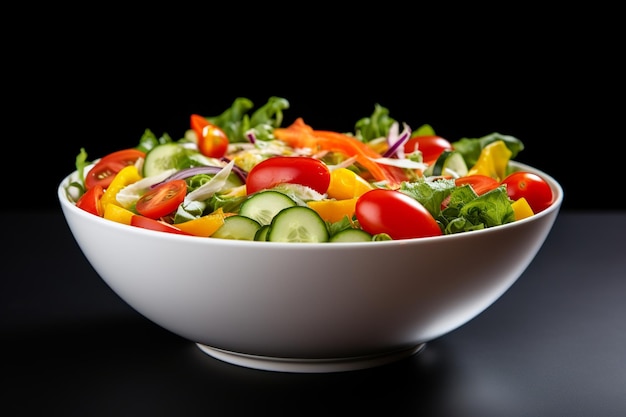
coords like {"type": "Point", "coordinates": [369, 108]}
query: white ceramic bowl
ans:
{"type": "Point", "coordinates": [309, 307]}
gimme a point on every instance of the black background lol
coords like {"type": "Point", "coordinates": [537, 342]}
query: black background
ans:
{"type": "Point", "coordinates": [99, 84]}
{"type": "Point", "coordinates": [97, 76]}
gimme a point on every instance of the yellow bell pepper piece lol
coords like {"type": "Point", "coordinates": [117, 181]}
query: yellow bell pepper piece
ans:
{"type": "Point", "coordinates": [118, 214]}
{"type": "Point", "coordinates": [522, 209]}
{"type": "Point", "coordinates": [334, 210]}
{"type": "Point", "coordinates": [203, 226]}
{"type": "Point", "coordinates": [239, 191]}
{"type": "Point", "coordinates": [346, 184]}
{"type": "Point", "coordinates": [127, 175]}
{"type": "Point", "coordinates": [493, 161]}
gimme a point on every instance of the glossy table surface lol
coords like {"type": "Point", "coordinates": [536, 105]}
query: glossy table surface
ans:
{"type": "Point", "coordinates": [553, 345]}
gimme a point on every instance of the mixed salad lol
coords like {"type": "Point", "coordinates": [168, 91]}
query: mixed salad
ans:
{"type": "Point", "coordinates": [242, 175]}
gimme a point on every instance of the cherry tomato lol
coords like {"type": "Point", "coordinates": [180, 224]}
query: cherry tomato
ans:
{"type": "Point", "coordinates": [90, 200]}
{"type": "Point", "coordinates": [277, 170]}
{"type": "Point", "coordinates": [162, 200]}
{"type": "Point", "coordinates": [531, 186]}
{"type": "Point", "coordinates": [397, 214]}
{"type": "Point", "coordinates": [212, 141]}
{"type": "Point", "coordinates": [105, 169]}
{"type": "Point", "coordinates": [480, 183]}
{"type": "Point", "coordinates": [430, 146]}
{"type": "Point", "coordinates": [152, 224]}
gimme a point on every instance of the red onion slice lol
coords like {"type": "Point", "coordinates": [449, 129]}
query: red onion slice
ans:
{"type": "Point", "coordinates": [395, 145]}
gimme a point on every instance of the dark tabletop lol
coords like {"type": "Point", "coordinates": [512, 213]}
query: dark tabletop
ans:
{"type": "Point", "coordinates": [553, 345]}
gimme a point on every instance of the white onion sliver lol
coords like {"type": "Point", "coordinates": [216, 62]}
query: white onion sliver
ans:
{"type": "Point", "coordinates": [215, 184]}
{"type": "Point", "coordinates": [400, 163]}
{"type": "Point", "coordinates": [343, 164]}
{"type": "Point", "coordinates": [190, 172]}
{"type": "Point", "coordinates": [131, 193]}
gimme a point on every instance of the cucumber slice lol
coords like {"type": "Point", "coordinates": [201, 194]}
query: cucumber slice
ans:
{"type": "Point", "coordinates": [163, 157]}
{"type": "Point", "coordinates": [237, 228]}
{"type": "Point", "coordinates": [261, 234]}
{"type": "Point", "coordinates": [264, 205]}
{"type": "Point", "coordinates": [449, 163]}
{"type": "Point", "coordinates": [298, 224]}
{"type": "Point", "coordinates": [351, 235]}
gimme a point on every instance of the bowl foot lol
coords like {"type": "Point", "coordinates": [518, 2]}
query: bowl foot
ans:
{"type": "Point", "coordinates": [309, 365]}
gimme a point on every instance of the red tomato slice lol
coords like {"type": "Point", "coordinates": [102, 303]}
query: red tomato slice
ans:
{"type": "Point", "coordinates": [162, 200]}
{"type": "Point", "coordinates": [152, 224]}
{"type": "Point", "coordinates": [277, 170]}
{"type": "Point", "coordinates": [430, 146]}
{"type": "Point", "coordinates": [90, 200]}
{"type": "Point", "coordinates": [212, 141]}
{"type": "Point", "coordinates": [397, 214]}
{"type": "Point", "coordinates": [532, 187]}
{"type": "Point", "coordinates": [105, 169]}
{"type": "Point", "coordinates": [480, 183]}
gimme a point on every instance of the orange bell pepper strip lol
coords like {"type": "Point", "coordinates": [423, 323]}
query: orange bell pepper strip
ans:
{"type": "Point", "coordinates": [334, 210]}
{"type": "Point", "coordinates": [204, 226]}
{"type": "Point", "coordinates": [301, 135]}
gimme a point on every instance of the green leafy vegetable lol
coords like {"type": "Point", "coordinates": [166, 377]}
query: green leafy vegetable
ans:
{"type": "Point", "coordinates": [464, 210]}
{"type": "Point", "coordinates": [236, 122]}
{"type": "Point", "coordinates": [429, 193]}
{"type": "Point", "coordinates": [149, 140]}
{"type": "Point", "coordinates": [375, 126]}
{"type": "Point", "coordinates": [77, 188]}
{"type": "Point", "coordinates": [471, 148]}
{"type": "Point", "coordinates": [424, 130]}
{"type": "Point", "coordinates": [490, 209]}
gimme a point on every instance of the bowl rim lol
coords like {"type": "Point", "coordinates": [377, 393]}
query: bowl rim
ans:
{"type": "Point", "coordinates": [68, 207]}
